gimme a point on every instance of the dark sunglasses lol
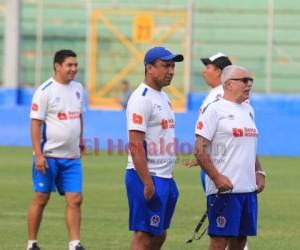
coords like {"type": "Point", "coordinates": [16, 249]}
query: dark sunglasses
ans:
{"type": "Point", "coordinates": [245, 80]}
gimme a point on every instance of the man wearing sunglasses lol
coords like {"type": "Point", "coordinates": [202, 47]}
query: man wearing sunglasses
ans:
{"type": "Point", "coordinates": [226, 139]}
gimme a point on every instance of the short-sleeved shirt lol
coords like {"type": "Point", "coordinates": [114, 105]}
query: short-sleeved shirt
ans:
{"type": "Point", "coordinates": [214, 94]}
{"type": "Point", "coordinates": [59, 106]}
{"type": "Point", "coordinates": [150, 111]}
{"type": "Point", "coordinates": [233, 134]}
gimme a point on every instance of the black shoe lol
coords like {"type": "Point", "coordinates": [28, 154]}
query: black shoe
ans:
{"type": "Point", "coordinates": [35, 247]}
{"type": "Point", "coordinates": [79, 247]}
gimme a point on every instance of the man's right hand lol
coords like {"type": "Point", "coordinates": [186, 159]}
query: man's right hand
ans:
{"type": "Point", "coordinates": [149, 190]}
{"type": "Point", "coordinates": [40, 163]}
{"type": "Point", "coordinates": [222, 183]}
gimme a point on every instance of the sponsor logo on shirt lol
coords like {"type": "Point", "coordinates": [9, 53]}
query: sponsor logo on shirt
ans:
{"type": "Point", "coordinates": [221, 221]}
{"type": "Point", "coordinates": [73, 114]}
{"type": "Point", "coordinates": [252, 132]}
{"type": "Point", "coordinates": [137, 119]}
{"type": "Point", "coordinates": [248, 132]}
{"type": "Point", "coordinates": [237, 132]}
{"type": "Point", "coordinates": [155, 220]}
{"type": "Point", "coordinates": [167, 123]}
{"type": "Point", "coordinates": [62, 116]}
{"type": "Point", "coordinates": [70, 115]}
{"type": "Point", "coordinates": [34, 107]}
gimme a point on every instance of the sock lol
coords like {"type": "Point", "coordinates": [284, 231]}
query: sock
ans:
{"type": "Point", "coordinates": [30, 242]}
{"type": "Point", "coordinates": [73, 244]}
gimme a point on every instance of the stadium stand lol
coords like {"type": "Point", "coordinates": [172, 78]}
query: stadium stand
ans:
{"type": "Point", "coordinates": [237, 28]}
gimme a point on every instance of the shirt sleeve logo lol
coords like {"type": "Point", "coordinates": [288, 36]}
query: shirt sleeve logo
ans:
{"type": "Point", "coordinates": [200, 125]}
{"type": "Point", "coordinates": [34, 107]}
{"type": "Point", "coordinates": [137, 119]}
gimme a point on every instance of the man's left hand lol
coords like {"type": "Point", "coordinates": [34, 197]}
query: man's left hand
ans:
{"type": "Point", "coordinates": [260, 182]}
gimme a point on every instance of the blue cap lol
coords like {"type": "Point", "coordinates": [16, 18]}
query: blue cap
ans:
{"type": "Point", "coordinates": [161, 53]}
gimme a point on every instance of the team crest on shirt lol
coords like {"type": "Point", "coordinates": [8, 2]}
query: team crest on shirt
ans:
{"type": "Point", "coordinates": [221, 221]}
{"type": "Point", "coordinates": [77, 95]}
{"type": "Point", "coordinates": [230, 117]}
{"type": "Point", "coordinates": [159, 107]}
{"type": "Point", "coordinates": [155, 220]}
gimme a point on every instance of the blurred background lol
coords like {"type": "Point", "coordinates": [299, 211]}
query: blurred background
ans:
{"type": "Point", "coordinates": [110, 38]}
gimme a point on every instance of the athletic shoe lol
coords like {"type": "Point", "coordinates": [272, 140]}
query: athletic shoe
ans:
{"type": "Point", "coordinates": [34, 247]}
{"type": "Point", "coordinates": [79, 247]}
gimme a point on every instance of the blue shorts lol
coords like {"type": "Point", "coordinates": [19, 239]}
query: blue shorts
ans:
{"type": "Point", "coordinates": [153, 216]}
{"type": "Point", "coordinates": [237, 218]}
{"type": "Point", "coordinates": [63, 174]}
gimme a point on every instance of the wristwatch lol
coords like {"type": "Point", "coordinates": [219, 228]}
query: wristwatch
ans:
{"type": "Point", "coordinates": [261, 172]}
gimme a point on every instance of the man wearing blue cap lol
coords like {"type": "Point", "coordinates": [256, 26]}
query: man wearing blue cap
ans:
{"type": "Point", "coordinates": [151, 191]}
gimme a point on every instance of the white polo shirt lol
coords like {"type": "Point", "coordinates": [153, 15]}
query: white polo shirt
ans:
{"type": "Point", "coordinates": [149, 111]}
{"type": "Point", "coordinates": [59, 106]}
{"type": "Point", "coordinates": [231, 129]}
{"type": "Point", "coordinates": [214, 94]}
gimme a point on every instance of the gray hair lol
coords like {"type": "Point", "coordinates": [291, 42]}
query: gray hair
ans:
{"type": "Point", "coordinates": [228, 71]}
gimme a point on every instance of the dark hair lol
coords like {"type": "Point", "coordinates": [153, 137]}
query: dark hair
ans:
{"type": "Point", "coordinates": [61, 55]}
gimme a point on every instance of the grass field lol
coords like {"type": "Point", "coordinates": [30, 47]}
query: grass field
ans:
{"type": "Point", "coordinates": [105, 213]}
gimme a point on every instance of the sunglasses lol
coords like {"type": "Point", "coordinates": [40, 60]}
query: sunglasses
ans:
{"type": "Point", "coordinates": [245, 80]}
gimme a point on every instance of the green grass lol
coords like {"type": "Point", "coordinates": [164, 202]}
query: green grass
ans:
{"type": "Point", "coordinates": [105, 212]}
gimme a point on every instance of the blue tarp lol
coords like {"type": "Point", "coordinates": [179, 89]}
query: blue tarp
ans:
{"type": "Point", "coordinates": [277, 118]}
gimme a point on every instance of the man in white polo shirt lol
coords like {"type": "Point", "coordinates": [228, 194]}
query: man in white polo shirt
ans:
{"type": "Point", "coordinates": [226, 138]}
{"type": "Point", "coordinates": [56, 132]}
{"type": "Point", "coordinates": [151, 190]}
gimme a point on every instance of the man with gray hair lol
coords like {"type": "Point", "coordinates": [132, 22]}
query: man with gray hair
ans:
{"type": "Point", "coordinates": [234, 174]}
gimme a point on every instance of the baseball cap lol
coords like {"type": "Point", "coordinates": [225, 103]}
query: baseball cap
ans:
{"type": "Point", "coordinates": [219, 59]}
{"type": "Point", "coordinates": [161, 53]}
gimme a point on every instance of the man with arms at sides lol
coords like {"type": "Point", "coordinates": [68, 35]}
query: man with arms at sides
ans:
{"type": "Point", "coordinates": [226, 141]}
{"type": "Point", "coordinates": [151, 191]}
{"type": "Point", "coordinates": [56, 133]}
